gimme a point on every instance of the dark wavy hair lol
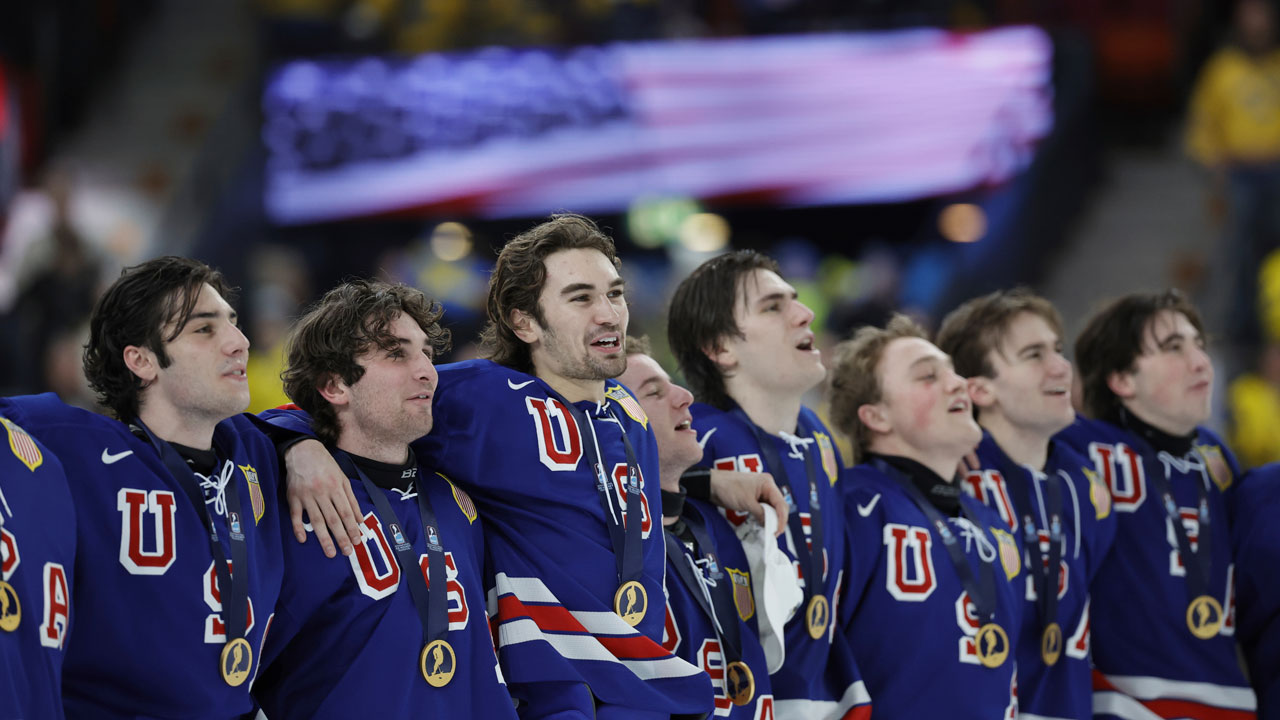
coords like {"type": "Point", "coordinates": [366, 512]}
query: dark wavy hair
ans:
{"type": "Point", "coordinates": [1113, 339]}
{"type": "Point", "coordinates": [147, 306]}
{"type": "Point", "coordinates": [518, 277]}
{"type": "Point", "coordinates": [701, 318]}
{"type": "Point", "coordinates": [344, 324]}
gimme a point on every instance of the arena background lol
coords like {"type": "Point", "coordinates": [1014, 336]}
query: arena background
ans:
{"type": "Point", "coordinates": [896, 155]}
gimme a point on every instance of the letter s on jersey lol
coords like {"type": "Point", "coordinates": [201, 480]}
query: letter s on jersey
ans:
{"type": "Point", "coordinates": [215, 631]}
{"type": "Point", "coordinates": [135, 505]}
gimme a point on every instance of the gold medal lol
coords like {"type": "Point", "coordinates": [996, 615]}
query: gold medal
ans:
{"type": "Point", "coordinates": [1051, 644]}
{"type": "Point", "coordinates": [631, 602]}
{"type": "Point", "coordinates": [1204, 617]}
{"type": "Point", "coordinates": [739, 683]}
{"type": "Point", "coordinates": [438, 663]}
{"type": "Point", "coordinates": [991, 645]}
{"type": "Point", "coordinates": [10, 608]}
{"type": "Point", "coordinates": [236, 661]}
{"type": "Point", "coordinates": [816, 616]}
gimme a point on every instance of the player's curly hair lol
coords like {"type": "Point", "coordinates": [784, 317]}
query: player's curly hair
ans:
{"type": "Point", "coordinates": [701, 318]}
{"type": "Point", "coordinates": [347, 322]}
{"type": "Point", "coordinates": [147, 306]}
{"type": "Point", "coordinates": [855, 377]}
{"type": "Point", "coordinates": [1113, 339]}
{"type": "Point", "coordinates": [972, 331]}
{"type": "Point", "coordinates": [520, 273]}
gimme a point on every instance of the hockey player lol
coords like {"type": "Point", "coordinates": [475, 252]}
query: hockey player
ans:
{"type": "Point", "coordinates": [406, 613]}
{"type": "Point", "coordinates": [37, 558]}
{"type": "Point", "coordinates": [1256, 546]}
{"type": "Point", "coordinates": [178, 561]}
{"type": "Point", "coordinates": [1161, 608]}
{"type": "Point", "coordinates": [1009, 346]}
{"type": "Point", "coordinates": [711, 613]}
{"type": "Point", "coordinates": [933, 589]}
{"type": "Point", "coordinates": [744, 343]}
{"type": "Point", "coordinates": [556, 456]}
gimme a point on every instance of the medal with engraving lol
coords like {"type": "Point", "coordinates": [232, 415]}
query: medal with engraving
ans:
{"type": "Point", "coordinates": [991, 643]}
{"type": "Point", "coordinates": [236, 660]}
{"type": "Point", "coordinates": [630, 600]}
{"type": "Point", "coordinates": [437, 661]}
{"type": "Point", "coordinates": [810, 550]}
{"type": "Point", "coordinates": [1045, 565]}
{"type": "Point", "coordinates": [691, 553]}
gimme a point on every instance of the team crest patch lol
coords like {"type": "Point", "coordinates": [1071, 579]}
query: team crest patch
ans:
{"type": "Point", "coordinates": [827, 451]}
{"type": "Point", "coordinates": [1099, 495]}
{"type": "Point", "coordinates": [1008, 553]}
{"type": "Point", "coordinates": [742, 598]}
{"type": "Point", "coordinates": [461, 497]}
{"type": "Point", "coordinates": [23, 447]}
{"type": "Point", "coordinates": [1219, 470]}
{"type": "Point", "coordinates": [255, 492]}
{"type": "Point", "coordinates": [619, 394]}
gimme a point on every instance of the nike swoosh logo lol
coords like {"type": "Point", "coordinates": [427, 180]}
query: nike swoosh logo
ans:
{"type": "Point", "coordinates": [517, 386]}
{"type": "Point", "coordinates": [865, 511]}
{"type": "Point", "coordinates": [108, 458]}
{"type": "Point", "coordinates": [702, 441]}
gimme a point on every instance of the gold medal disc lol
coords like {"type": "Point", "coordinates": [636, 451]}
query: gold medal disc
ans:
{"type": "Point", "coordinates": [631, 602]}
{"type": "Point", "coordinates": [1204, 617]}
{"type": "Point", "coordinates": [438, 663]}
{"type": "Point", "coordinates": [1051, 644]}
{"type": "Point", "coordinates": [816, 616]}
{"type": "Point", "coordinates": [991, 645]}
{"type": "Point", "coordinates": [739, 683]}
{"type": "Point", "coordinates": [10, 608]}
{"type": "Point", "coordinates": [236, 662]}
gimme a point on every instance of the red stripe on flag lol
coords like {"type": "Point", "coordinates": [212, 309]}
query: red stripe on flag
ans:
{"type": "Point", "coordinates": [555, 618]}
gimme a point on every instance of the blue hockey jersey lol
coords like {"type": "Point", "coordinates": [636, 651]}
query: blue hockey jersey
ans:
{"type": "Point", "coordinates": [1145, 656]}
{"type": "Point", "coordinates": [1256, 542]}
{"type": "Point", "coordinates": [347, 636]}
{"type": "Point", "coordinates": [690, 633]}
{"type": "Point", "coordinates": [805, 686]}
{"type": "Point", "coordinates": [1064, 689]}
{"type": "Point", "coordinates": [909, 621]}
{"type": "Point", "coordinates": [505, 437]}
{"type": "Point", "coordinates": [37, 559]}
{"type": "Point", "coordinates": [149, 629]}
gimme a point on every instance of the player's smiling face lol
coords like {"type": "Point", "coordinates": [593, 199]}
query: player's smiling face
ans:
{"type": "Point", "coordinates": [1171, 383]}
{"type": "Point", "coordinates": [579, 344]}
{"type": "Point", "coordinates": [1032, 383]}
{"type": "Point", "coordinates": [390, 405]}
{"type": "Point", "coordinates": [924, 402]}
{"type": "Point", "coordinates": [776, 351]}
{"type": "Point", "coordinates": [667, 406]}
{"type": "Point", "coordinates": [205, 381]}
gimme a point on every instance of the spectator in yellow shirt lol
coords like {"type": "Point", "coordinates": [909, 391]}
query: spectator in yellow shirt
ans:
{"type": "Point", "coordinates": [1234, 131]}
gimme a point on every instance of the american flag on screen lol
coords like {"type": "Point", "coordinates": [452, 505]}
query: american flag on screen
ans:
{"type": "Point", "coordinates": [807, 120]}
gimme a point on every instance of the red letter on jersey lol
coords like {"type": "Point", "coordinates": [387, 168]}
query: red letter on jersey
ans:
{"type": "Point", "coordinates": [1121, 468]}
{"type": "Point", "coordinates": [8, 554]}
{"type": "Point", "coordinates": [57, 606]}
{"type": "Point", "coordinates": [133, 505]}
{"type": "Point", "coordinates": [551, 418]}
{"type": "Point", "coordinates": [373, 582]}
{"type": "Point", "coordinates": [215, 631]}
{"type": "Point", "coordinates": [910, 573]}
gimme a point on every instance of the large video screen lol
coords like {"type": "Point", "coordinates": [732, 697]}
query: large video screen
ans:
{"type": "Point", "coordinates": [790, 121]}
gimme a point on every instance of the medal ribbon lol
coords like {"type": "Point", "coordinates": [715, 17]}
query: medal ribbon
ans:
{"type": "Point", "coordinates": [714, 601]}
{"type": "Point", "coordinates": [810, 553]}
{"type": "Point", "coordinates": [1044, 579]}
{"type": "Point", "coordinates": [233, 588]}
{"type": "Point", "coordinates": [983, 596]}
{"type": "Point", "coordinates": [625, 536]}
{"type": "Point", "coordinates": [1197, 564]}
{"type": "Point", "coordinates": [433, 608]}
